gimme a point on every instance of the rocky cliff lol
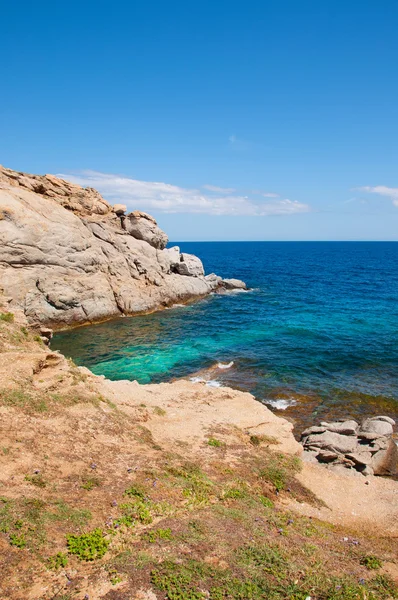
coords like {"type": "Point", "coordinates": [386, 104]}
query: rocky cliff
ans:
{"type": "Point", "coordinates": [67, 257]}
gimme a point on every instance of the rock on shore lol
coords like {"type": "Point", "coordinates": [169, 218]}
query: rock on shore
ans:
{"type": "Point", "coordinates": [68, 257]}
{"type": "Point", "coordinates": [369, 449]}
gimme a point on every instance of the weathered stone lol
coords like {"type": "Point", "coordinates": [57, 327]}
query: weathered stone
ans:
{"type": "Point", "coordinates": [81, 265]}
{"type": "Point", "coordinates": [144, 227]}
{"type": "Point", "coordinates": [119, 209]}
{"type": "Point", "coordinates": [385, 462]}
{"type": "Point", "coordinates": [384, 418]}
{"type": "Point", "coordinates": [365, 435]}
{"type": "Point", "coordinates": [327, 456]}
{"type": "Point", "coordinates": [313, 429]}
{"type": "Point", "coordinates": [377, 426]}
{"type": "Point", "coordinates": [234, 284]}
{"type": "Point", "coordinates": [190, 265]}
{"type": "Point", "coordinates": [368, 471]}
{"type": "Point", "coordinates": [360, 458]}
{"type": "Point", "coordinates": [333, 441]}
{"type": "Point", "coordinates": [345, 427]}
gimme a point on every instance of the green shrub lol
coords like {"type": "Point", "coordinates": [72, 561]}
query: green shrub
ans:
{"type": "Point", "coordinates": [371, 562]}
{"type": "Point", "coordinates": [17, 540]}
{"type": "Point", "coordinates": [7, 317]}
{"type": "Point", "coordinates": [135, 492]}
{"type": "Point", "coordinates": [88, 546]}
{"type": "Point", "coordinates": [57, 561]}
{"type": "Point", "coordinates": [215, 443]}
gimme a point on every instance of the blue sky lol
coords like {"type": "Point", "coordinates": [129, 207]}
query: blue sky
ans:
{"type": "Point", "coordinates": [226, 120]}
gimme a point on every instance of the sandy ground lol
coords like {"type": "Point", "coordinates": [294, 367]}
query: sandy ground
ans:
{"type": "Point", "coordinates": [193, 411]}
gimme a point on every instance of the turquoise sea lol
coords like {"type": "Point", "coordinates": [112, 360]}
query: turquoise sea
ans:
{"type": "Point", "coordinates": [315, 338]}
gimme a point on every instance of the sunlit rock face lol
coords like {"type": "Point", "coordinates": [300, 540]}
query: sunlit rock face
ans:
{"type": "Point", "coordinates": [67, 257]}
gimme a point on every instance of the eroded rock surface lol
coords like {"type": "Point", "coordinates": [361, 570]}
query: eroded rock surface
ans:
{"type": "Point", "coordinates": [68, 257]}
{"type": "Point", "coordinates": [369, 449]}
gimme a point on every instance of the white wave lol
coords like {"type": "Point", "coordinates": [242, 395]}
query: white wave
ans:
{"type": "Point", "coordinates": [209, 382]}
{"type": "Point", "coordinates": [281, 403]}
{"type": "Point", "coordinates": [175, 306]}
{"type": "Point", "coordinates": [225, 366]}
{"type": "Point", "coordinates": [213, 383]}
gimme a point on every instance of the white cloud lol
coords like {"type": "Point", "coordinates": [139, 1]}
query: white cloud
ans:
{"type": "Point", "coordinates": [215, 188]}
{"type": "Point", "coordinates": [382, 190]}
{"type": "Point", "coordinates": [270, 195]}
{"type": "Point", "coordinates": [167, 198]}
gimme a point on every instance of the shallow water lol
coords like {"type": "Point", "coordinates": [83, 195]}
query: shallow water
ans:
{"type": "Point", "coordinates": [317, 337]}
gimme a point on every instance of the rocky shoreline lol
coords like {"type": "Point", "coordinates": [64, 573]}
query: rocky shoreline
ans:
{"type": "Point", "coordinates": [367, 449]}
{"type": "Point", "coordinates": [69, 258]}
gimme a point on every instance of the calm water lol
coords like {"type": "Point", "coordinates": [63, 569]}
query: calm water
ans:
{"type": "Point", "coordinates": [317, 337]}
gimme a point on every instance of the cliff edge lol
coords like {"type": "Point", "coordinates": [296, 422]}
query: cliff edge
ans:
{"type": "Point", "coordinates": [67, 257]}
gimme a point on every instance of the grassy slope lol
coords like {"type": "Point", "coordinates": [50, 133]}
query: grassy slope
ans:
{"type": "Point", "coordinates": [92, 505]}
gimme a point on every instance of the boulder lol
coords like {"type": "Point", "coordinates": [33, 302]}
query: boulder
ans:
{"type": "Point", "coordinates": [385, 462]}
{"type": "Point", "coordinates": [384, 418]}
{"type": "Point", "coordinates": [144, 227]}
{"type": "Point", "coordinates": [360, 458]}
{"type": "Point", "coordinates": [377, 426]}
{"type": "Point", "coordinates": [313, 429]}
{"type": "Point", "coordinates": [345, 427]}
{"type": "Point", "coordinates": [169, 258]}
{"type": "Point", "coordinates": [233, 284]}
{"type": "Point", "coordinates": [327, 456]}
{"type": "Point", "coordinates": [335, 442]}
{"type": "Point", "coordinates": [119, 209]}
{"type": "Point", "coordinates": [190, 265]}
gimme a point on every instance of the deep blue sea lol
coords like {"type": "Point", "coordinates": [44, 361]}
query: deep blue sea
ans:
{"type": "Point", "coordinates": [315, 338]}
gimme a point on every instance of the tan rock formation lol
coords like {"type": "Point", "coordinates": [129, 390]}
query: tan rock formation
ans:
{"type": "Point", "coordinates": [67, 257]}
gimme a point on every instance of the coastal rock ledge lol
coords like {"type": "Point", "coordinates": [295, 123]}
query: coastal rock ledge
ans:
{"type": "Point", "coordinates": [368, 449]}
{"type": "Point", "coordinates": [67, 257]}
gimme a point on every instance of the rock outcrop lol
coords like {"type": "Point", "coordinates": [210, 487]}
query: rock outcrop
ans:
{"type": "Point", "coordinates": [67, 257]}
{"type": "Point", "coordinates": [369, 448]}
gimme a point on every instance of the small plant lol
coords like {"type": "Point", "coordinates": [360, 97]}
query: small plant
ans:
{"type": "Point", "coordinates": [17, 540]}
{"type": "Point", "coordinates": [159, 411]}
{"type": "Point", "coordinates": [36, 480]}
{"type": "Point", "coordinates": [157, 534]}
{"type": "Point", "coordinates": [234, 493]}
{"type": "Point", "coordinates": [215, 443]}
{"type": "Point", "coordinates": [57, 561]}
{"type": "Point", "coordinates": [135, 492]}
{"type": "Point", "coordinates": [88, 546]}
{"type": "Point", "coordinates": [371, 562]}
{"type": "Point", "coordinates": [280, 469]}
{"type": "Point", "coordinates": [8, 317]}
{"type": "Point", "coordinates": [90, 483]}
{"type": "Point", "coordinates": [266, 502]}
{"type": "Point", "coordinates": [114, 577]}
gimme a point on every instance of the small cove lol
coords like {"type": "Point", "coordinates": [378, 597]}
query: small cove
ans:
{"type": "Point", "coordinates": [316, 338]}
